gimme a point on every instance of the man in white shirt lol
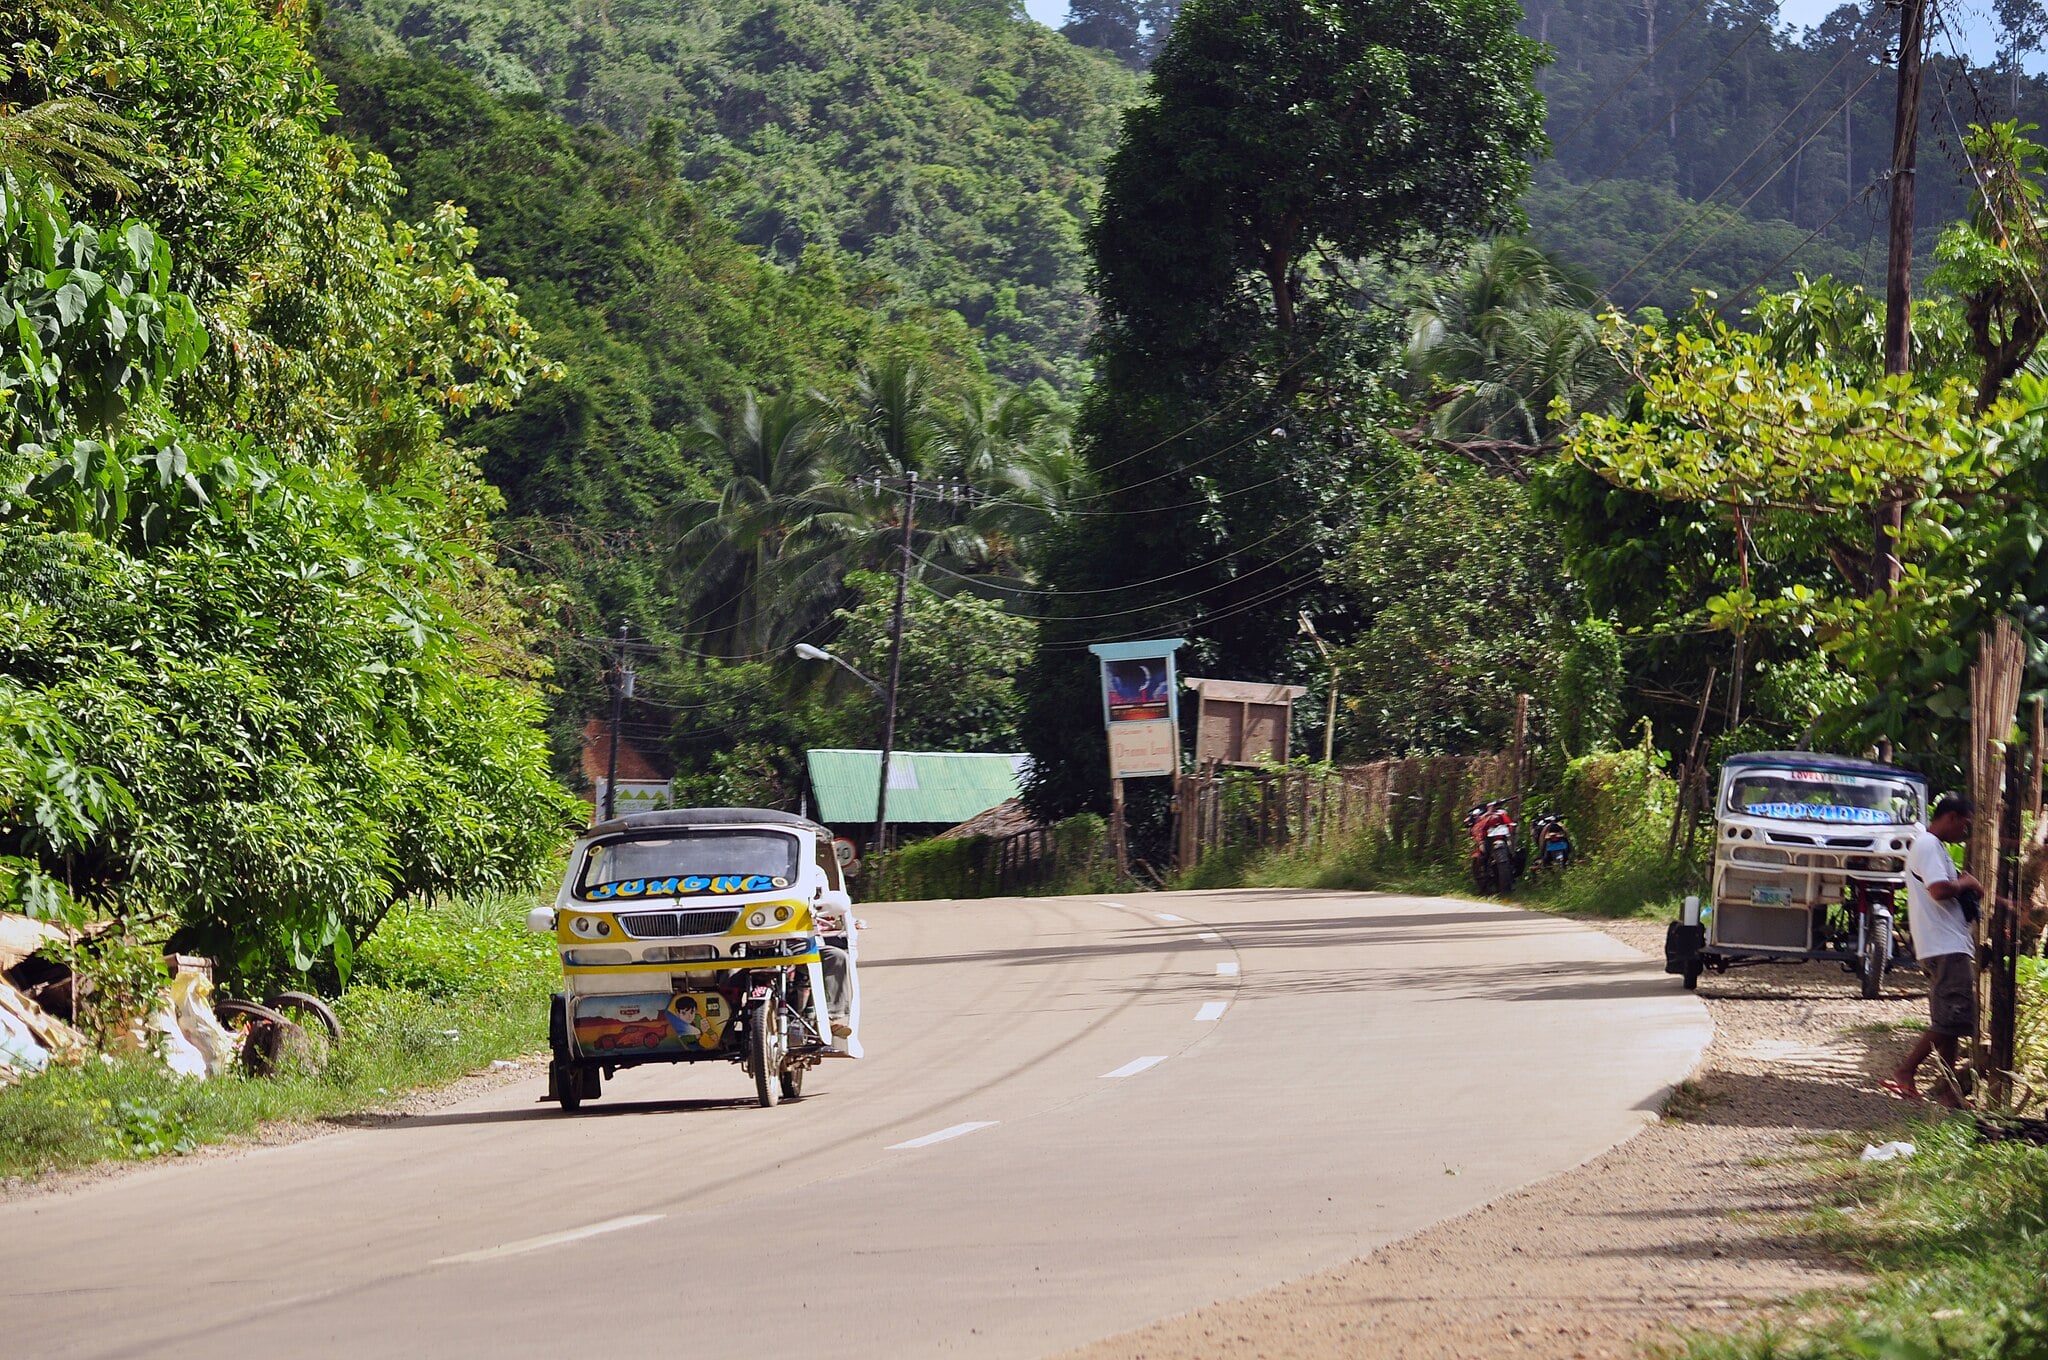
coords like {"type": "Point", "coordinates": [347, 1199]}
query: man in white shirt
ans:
{"type": "Point", "coordinates": [1945, 944]}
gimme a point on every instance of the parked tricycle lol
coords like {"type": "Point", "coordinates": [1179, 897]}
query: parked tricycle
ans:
{"type": "Point", "coordinates": [702, 935]}
{"type": "Point", "coordinates": [1809, 864]}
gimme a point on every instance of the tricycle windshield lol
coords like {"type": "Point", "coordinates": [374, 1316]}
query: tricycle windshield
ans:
{"type": "Point", "coordinates": [686, 863]}
{"type": "Point", "coordinates": [1791, 794]}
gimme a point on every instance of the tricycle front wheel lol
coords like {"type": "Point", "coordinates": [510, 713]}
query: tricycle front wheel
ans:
{"type": "Point", "coordinates": [1877, 949]}
{"type": "Point", "coordinates": [764, 1056]}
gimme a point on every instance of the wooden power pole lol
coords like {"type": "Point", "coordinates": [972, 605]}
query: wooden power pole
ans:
{"type": "Point", "coordinates": [1898, 274]}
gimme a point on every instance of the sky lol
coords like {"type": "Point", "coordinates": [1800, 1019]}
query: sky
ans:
{"type": "Point", "coordinates": [1969, 19]}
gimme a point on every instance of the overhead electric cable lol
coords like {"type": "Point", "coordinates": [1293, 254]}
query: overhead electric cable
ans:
{"type": "Point", "coordinates": [1647, 132]}
{"type": "Point", "coordinates": [1825, 122]}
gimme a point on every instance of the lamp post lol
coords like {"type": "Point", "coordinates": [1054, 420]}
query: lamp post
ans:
{"type": "Point", "coordinates": [806, 652]}
{"type": "Point", "coordinates": [1308, 629]}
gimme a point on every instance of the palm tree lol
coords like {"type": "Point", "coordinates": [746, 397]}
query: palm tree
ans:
{"type": "Point", "coordinates": [1012, 453]}
{"type": "Point", "coordinates": [1499, 340]}
{"type": "Point", "coordinates": [760, 561]}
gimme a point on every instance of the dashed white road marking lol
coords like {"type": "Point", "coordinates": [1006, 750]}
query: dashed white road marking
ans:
{"type": "Point", "coordinates": [1168, 916]}
{"type": "Point", "coordinates": [1212, 1010]}
{"type": "Point", "coordinates": [1227, 968]}
{"type": "Point", "coordinates": [1208, 935]}
{"type": "Point", "coordinates": [1118, 905]}
{"type": "Point", "coordinates": [548, 1240]}
{"type": "Point", "coordinates": [1135, 1066]}
{"type": "Point", "coordinates": [943, 1134]}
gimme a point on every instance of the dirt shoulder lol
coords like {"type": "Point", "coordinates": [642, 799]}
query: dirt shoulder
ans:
{"type": "Point", "coordinates": [1687, 1225]}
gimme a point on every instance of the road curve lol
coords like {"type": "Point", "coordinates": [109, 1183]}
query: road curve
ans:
{"type": "Point", "coordinates": [1079, 1115]}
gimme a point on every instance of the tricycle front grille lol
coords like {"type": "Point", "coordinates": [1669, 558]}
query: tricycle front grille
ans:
{"type": "Point", "coordinates": [649, 925]}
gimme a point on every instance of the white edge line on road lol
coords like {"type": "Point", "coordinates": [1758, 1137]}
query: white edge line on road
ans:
{"type": "Point", "coordinates": [1135, 1066]}
{"type": "Point", "coordinates": [548, 1240]}
{"type": "Point", "coordinates": [1118, 905]}
{"type": "Point", "coordinates": [1228, 968]}
{"type": "Point", "coordinates": [1212, 1010]}
{"type": "Point", "coordinates": [943, 1134]}
{"type": "Point", "coordinates": [1168, 916]}
{"type": "Point", "coordinates": [1208, 935]}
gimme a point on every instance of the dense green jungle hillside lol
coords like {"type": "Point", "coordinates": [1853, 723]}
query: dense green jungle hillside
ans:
{"type": "Point", "coordinates": [1697, 144]}
{"type": "Point", "coordinates": [953, 148]}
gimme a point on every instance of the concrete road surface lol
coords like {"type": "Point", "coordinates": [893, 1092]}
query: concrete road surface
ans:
{"type": "Point", "coordinates": [1077, 1116]}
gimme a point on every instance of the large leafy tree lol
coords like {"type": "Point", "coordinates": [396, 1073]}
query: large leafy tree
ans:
{"type": "Point", "coordinates": [256, 668]}
{"type": "Point", "coordinates": [1289, 153]}
{"type": "Point", "coordinates": [245, 576]}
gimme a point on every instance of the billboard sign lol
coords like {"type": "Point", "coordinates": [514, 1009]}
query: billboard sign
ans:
{"type": "Point", "coordinates": [1140, 708]}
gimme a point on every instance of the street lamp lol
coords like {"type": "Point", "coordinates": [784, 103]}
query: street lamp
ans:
{"type": "Point", "coordinates": [806, 652]}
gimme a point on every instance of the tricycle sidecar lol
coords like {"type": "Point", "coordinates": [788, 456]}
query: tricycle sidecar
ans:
{"type": "Point", "coordinates": [1809, 864]}
{"type": "Point", "coordinates": [702, 935]}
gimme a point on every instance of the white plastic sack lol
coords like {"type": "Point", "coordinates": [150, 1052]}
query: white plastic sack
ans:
{"type": "Point", "coordinates": [18, 1048]}
{"type": "Point", "coordinates": [1887, 1152]}
{"type": "Point", "coordinates": [178, 1052]}
{"type": "Point", "coordinates": [192, 999]}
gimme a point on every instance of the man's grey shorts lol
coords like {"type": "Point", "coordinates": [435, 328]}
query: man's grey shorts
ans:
{"type": "Point", "coordinates": [1951, 994]}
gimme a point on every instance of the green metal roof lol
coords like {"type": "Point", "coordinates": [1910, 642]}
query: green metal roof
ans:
{"type": "Point", "coordinates": [924, 786]}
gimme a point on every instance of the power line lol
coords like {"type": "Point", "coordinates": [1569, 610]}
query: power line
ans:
{"type": "Point", "coordinates": [1780, 262]}
{"type": "Point", "coordinates": [1649, 131]}
{"type": "Point", "coordinates": [1763, 141]}
{"type": "Point", "coordinates": [1765, 183]}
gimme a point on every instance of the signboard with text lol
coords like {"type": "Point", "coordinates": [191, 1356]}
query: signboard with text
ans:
{"type": "Point", "coordinates": [1140, 708]}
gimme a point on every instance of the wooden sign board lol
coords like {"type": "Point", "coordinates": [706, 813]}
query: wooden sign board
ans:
{"type": "Point", "coordinates": [1240, 722]}
{"type": "Point", "coordinates": [1143, 750]}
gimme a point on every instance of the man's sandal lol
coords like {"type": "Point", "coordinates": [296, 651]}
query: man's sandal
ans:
{"type": "Point", "coordinates": [1897, 1089]}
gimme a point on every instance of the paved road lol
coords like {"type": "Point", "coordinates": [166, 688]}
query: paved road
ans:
{"type": "Point", "coordinates": [1078, 1116]}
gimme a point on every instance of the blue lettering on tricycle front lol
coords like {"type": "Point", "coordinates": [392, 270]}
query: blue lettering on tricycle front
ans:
{"type": "Point", "coordinates": [680, 886]}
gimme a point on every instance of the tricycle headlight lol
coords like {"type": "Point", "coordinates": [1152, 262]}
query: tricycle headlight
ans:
{"type": "Point", "coordinates": [590, 927]}
{"type": "Point", "coordinates": [758, 921]}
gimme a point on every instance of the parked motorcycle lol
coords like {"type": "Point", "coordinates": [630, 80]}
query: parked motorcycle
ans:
{"type": "Point", "coordinates": [1496, 859]}
{"type": "Point", "coordinates": [1553, 842]}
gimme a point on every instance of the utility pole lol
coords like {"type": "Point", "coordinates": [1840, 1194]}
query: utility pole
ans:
{"type": "Point", "coordinates": [1898, 276]}
{"type": "Point", "coordinates": [907, 486]}
{"type": "Point", "coordinates": [895, 659]}
{"type": "Point", "coordinates": [622, 685]}
{"type": "Point", "coordinates": [1308, 629]}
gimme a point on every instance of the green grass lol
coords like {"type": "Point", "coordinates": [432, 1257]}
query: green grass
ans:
{"type": "Point", "coordinates": [438, 992]}
{"type": "Point", "coordinates": [1957, 1240]}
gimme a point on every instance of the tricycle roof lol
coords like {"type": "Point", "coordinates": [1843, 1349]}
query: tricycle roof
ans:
{"type": "Point", "coordinates": [1816, 760]}
{"type": "Point", "coordinates": [675, 819]}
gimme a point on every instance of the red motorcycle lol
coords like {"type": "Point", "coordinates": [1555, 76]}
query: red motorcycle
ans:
{"type": "Point", "coordinates": [1496, 859]}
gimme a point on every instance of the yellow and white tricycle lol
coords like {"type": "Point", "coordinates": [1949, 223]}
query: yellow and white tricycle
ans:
{"type": "Point", "coordinates": [702, 935]}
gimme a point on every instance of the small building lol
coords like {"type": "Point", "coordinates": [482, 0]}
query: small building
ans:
{"type": "Point", "coordinates": [642, 785]}
{"type": "Point", "coordinates": [929, 791]}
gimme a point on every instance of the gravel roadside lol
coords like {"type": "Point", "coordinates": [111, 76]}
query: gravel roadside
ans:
{"type": "Point", "coordinates": [1689, 1224]}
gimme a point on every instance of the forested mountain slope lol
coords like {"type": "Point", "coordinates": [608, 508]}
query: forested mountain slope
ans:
{"type": "Point", "coordinates": [954, 149]}
{"type": "Point", "coordinates": [1700, 144]}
